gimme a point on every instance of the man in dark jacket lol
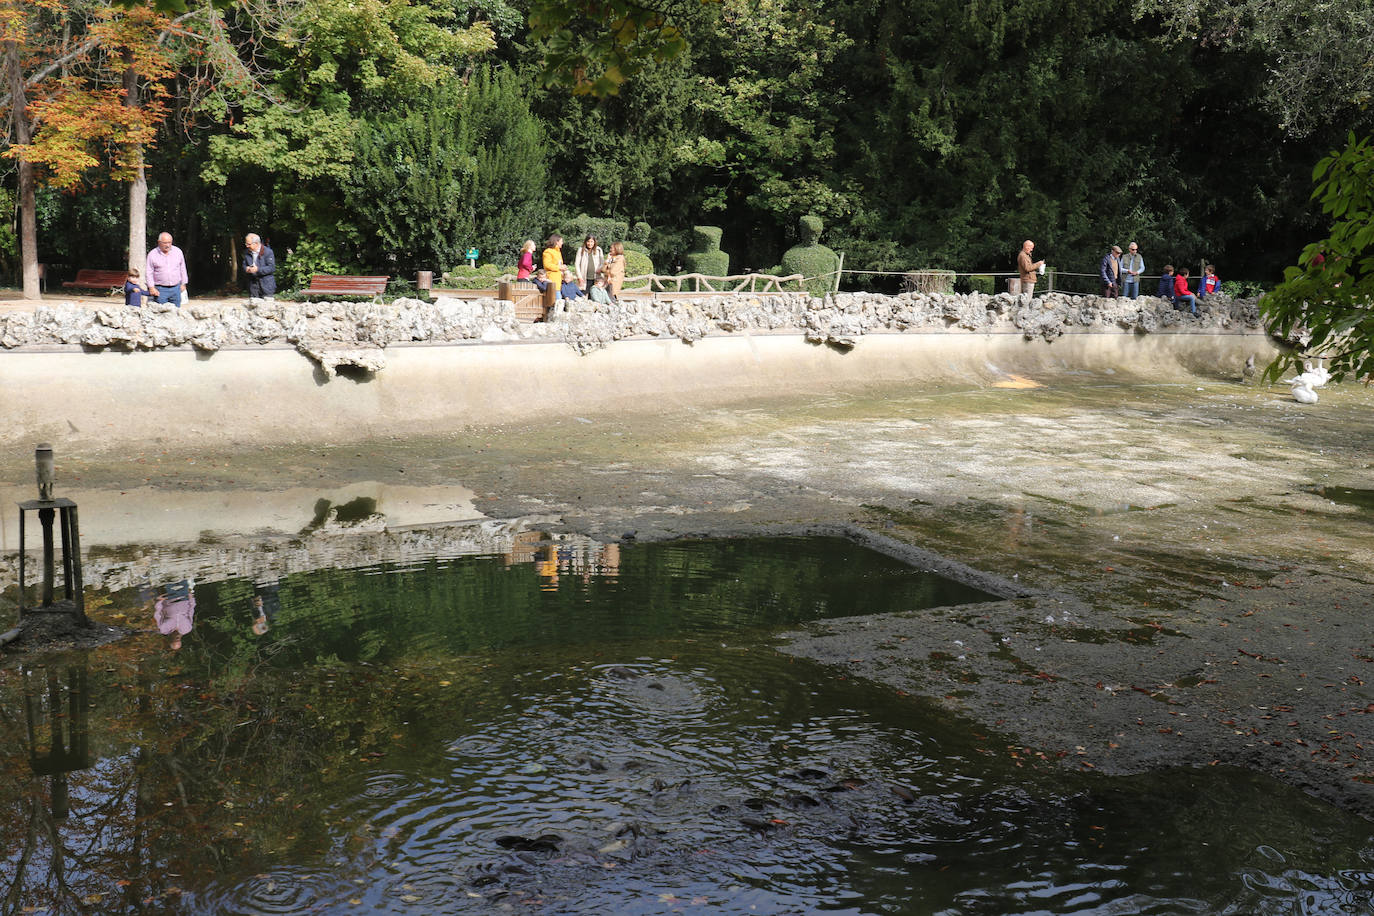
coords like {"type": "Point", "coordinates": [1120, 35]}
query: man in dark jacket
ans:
{"type": "Point", "coordinates": [1110, 273]}
{"type": "Point", "coordinates": [260, 267]}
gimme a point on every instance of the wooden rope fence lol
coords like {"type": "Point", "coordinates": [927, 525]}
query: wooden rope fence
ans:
{"type": "Point", "coordinates": [699, 283]}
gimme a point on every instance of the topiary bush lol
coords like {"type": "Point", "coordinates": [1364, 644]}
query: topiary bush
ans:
{"type": "Point", "coordinates": [816, 263]}
{"type": "Point", "coordinates": [637, 264]}
{"type": "Point", "coordinates": [705, 257]}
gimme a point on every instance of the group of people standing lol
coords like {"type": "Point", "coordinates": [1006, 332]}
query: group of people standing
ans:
{"type": "Point", "coordinates": [167, 275]}
{"type": "Point", "coordinates": [1120, 275]}
{"type": "Point", "coordinates": [594, 274]}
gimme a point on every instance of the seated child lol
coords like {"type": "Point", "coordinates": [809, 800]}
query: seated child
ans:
{"type": "Point", "coordinates": [134, 290]}
{"type": "Point", "coordinates": [599, 292]}
{"type": "Point", "coordinates": [540, 279]}
{"type": "Point", "coordinates": [1166, 283]}
{"type": "Point", "coordinates": [570, 288]}
{"type": "Point", "coordinates": [1210, 282]}
{"type": "Point", "coordinates": [1181, 292]}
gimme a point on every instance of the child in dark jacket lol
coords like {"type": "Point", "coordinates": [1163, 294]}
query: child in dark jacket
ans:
{"type": "Point", "coordinates": [1166, 284]}
{"type": "Point", "coordinates": [134, 290]}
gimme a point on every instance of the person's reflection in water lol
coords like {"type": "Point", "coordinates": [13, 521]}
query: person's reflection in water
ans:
{"type": "Point", "coordinates": [266, 604]}
{"type": "Point", "coordinates": [546, 567]}
{"type": "Point", "coordinates": [175, 611]}
{"type": "Point", "coordinates": [609, 566]}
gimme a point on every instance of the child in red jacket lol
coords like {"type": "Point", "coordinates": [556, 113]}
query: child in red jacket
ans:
{"type": "Point", "coordinates": [1181, 292]}
{"type": "Point", "coordinates": [1211, 283]}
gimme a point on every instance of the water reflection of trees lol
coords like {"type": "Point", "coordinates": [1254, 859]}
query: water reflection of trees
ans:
{"type": "Point", "coordinates": [238, 751]}
{"type": "Point", "coordinates": [549, 590]}
{"type": "Point", "coordinates": [174, 779]}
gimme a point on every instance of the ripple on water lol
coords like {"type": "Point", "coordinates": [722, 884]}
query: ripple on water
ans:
{"type": "Point", "coordinates": [388, 785]}
{"type": "Point", "coordinates": [438, 888]}
{"type": "Point", "coordinates": [1293, 891]}
{"type": "Point", "coordinates": [282, 891]}
{"type": "Point", "coordinates": [653, 696]}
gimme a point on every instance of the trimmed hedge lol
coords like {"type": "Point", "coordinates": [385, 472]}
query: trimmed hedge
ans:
{"type": "Point", "coordinates": [637, 264]}
{"type": "Point", "coordinates": [706, 256]}
{"type": "Point", "coordinates": [811, 259]}
{"type": "Point", "coordinates": [484, 276]}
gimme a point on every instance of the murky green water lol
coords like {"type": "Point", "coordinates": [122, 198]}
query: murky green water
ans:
{"type": "Point", "coordinates": [575, 728]}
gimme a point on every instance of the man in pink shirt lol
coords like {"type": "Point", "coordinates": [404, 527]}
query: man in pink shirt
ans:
{"type": "Point", "coordinates": [174, 611]}
{"type": "Point", "coordinates": [167, 270]}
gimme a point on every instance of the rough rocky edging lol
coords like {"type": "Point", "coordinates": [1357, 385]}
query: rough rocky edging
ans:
{"type": "Point", "coordinates": [357, 334]}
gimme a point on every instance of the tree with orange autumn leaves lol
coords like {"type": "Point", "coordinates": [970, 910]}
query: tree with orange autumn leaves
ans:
{"type": "Point", "coordinates": [84, 94]}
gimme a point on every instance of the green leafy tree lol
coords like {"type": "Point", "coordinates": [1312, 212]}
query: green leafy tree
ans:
{"type": "Point", "coordinates": [464, 168]}
{"type": "Point", "coordinates": [1319, 56]}
{"type": "Point", "coordinates": [339, 65]}
{"type": "Point", "coordinates": [1330, 294]}
{"type": "Point", "coordinates": [594, 46]}
{"type": "Point", "coordinates": [770, 99]}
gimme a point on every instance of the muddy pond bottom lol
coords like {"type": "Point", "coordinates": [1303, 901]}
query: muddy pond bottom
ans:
{"type": "Point", "coordinates": [580, 728]}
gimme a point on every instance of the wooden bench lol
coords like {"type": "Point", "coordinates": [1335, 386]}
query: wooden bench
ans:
{"type": "Point", "coordinates": [97, 279]}
{"type": "Point", "coordinates": [341, 285]}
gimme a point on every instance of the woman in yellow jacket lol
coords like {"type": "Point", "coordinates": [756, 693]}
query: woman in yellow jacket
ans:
{"type": "Point", "coordinates": [553, 264]}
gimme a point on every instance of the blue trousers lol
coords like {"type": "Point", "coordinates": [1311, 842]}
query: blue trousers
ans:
{"type": "Point", "coordinates": [1130, 287]}
{"type": "Point", "coordinates": [170, 294]}
{"type": "Point", "coordinates": [1190, 299]}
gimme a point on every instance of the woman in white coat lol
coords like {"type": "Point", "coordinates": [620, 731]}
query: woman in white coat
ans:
{"type": "Point", "coordinates": [588, 263]}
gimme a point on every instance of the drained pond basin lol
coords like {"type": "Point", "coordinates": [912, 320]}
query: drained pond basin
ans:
{"type": "Point", "coordinates": [584, 727]}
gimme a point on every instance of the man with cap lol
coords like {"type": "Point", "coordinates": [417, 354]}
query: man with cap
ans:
{"type": "Point", "coordinates": [1110, 273]}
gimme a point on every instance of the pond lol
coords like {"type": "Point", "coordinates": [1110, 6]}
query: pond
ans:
{"type": "Point", "coordinates": [574, 727]}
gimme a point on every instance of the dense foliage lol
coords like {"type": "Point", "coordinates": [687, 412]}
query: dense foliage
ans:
{"type": "Point", "coordinates": [388, 136]}
{"type": "Point", "coordinates": [1329, 298]}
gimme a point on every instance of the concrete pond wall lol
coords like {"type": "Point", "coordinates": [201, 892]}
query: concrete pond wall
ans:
{"type": "Point", "coordinates": [261, 372]}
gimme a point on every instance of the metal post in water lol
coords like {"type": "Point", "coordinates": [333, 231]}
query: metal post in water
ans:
{"type": "Point", "coordinates": [51, 511]}
{"type": "Point", "coordinates": [43, 459]}
{"type": "Point", "coordinates": [45, 518]}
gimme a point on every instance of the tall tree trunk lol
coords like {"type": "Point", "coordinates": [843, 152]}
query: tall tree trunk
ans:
{"type": "Point", "coordinates": [138, 187]}
{"type": "Point", "coordinates": [28, 204]}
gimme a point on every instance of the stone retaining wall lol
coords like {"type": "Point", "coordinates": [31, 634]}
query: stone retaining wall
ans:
{"type": "Point", "coordinates": [358, 334]}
